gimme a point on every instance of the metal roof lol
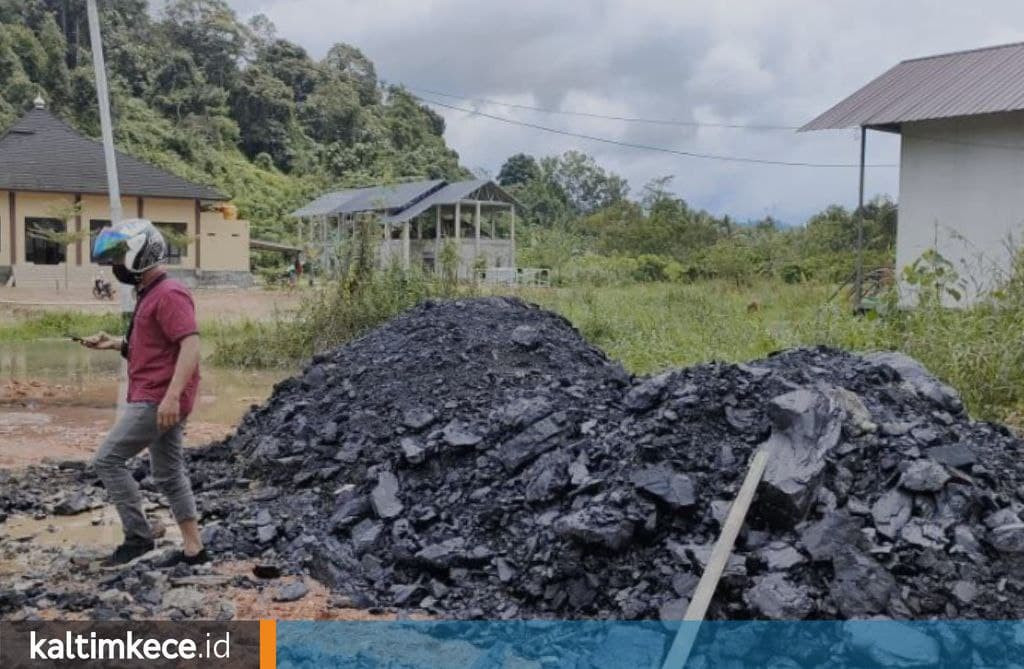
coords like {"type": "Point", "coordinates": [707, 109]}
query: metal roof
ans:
{"type": "Point", "coordinates": [40, 152]}
{"type": "Point", "coordinates": [964, 83]}
{"type": "Point", "coordinates": [374, 198]}
{"type": "Point", "coordinates": [399, 202]}
{"type": "Point", "coordinates": [325, 205]}
{"type": "Point", "coordinates": [450, 194]}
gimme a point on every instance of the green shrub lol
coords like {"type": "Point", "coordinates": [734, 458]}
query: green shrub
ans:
{"type": "Point", "coordinates": [657, 268]}
{"type": "Point", "coordinates": [598, 270]}
{"type": "Point", "coordinates": [793, 273]}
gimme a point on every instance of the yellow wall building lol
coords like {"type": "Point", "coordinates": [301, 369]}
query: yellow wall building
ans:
{"type": "Point", "coordinates": [54, 179]}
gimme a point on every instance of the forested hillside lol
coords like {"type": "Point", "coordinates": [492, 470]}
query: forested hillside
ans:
{"type": "Point", "coordinates": [199, 92]}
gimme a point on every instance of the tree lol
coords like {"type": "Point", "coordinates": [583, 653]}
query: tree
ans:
{"type": "Point", "coordinates": [209, 30]}
{"type": "Point", "coordinates": [54, 77]}
{"type": "Point", "coordinates": [587, 186]}
{"type": "Point", "coordinates": [349, 63]}
{"type": "Point", "coordinates": [518, 170]}
{"type": "Point", "coordinates": [263, 107]}
{"type": "Point", "coordinates": [180, 89]}
{"type": "Point", "coordinates": [291, 64]}
{"type": "Point", "coordinates": [68, 237]}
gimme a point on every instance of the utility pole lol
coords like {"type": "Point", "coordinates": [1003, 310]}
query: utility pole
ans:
{"type": "Point", "coordinates": [107, 130]}
{"type": "Point", "coordinates": [127, 293]}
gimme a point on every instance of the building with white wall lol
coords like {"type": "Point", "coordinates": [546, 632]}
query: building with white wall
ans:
{"type": "Point", "coordinates": [960, 117]}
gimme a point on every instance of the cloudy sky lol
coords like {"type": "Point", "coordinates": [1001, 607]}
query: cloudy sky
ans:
{"type": "Point", "coordinates": [777, 62]}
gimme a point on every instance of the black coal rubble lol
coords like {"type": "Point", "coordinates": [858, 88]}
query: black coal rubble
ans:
{"type": "Point", "coordinates": [478, 458]}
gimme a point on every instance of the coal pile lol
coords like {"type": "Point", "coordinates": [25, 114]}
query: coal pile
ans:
{"type": "Point", "coordinates": [479, 459]}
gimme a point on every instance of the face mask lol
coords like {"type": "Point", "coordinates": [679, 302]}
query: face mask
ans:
{"type": "Point", "coordinates": [122, 274]}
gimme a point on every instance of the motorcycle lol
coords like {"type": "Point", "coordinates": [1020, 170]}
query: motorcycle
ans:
{"type": "Point", "coordinates": [102, 289]}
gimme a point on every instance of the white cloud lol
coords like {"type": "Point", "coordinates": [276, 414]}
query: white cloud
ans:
{"type": "Point", "coordinates": [729, 61]}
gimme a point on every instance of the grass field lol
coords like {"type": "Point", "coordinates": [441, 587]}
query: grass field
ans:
{"type": "Point", "coordinates": [650, 327]}
{"type": "Point", "coordinates": [655, 326]}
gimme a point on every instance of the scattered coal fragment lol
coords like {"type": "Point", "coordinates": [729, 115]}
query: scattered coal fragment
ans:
{"type": "Point", "coordinates": [384, 497]}
{"type": "Point", "coordinates": [292, 592]}
{"type": "Point", "coordinates": [266, 571]}
{"type": "Point", "coordinates": [435, 463]}
{"type": "Point", "coordinates": [76, 502]}
{"type": "Point", "coordinates": [1008, 538]}
{"type": "Point", "coordinates": [924, 476]}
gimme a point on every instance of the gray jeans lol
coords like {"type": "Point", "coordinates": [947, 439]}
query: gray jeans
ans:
{"type": "Point", "coordinates": [135, 430]}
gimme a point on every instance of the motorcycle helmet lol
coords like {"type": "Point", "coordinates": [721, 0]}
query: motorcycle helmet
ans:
{"type": "Point", "coordinates": [134, 243]}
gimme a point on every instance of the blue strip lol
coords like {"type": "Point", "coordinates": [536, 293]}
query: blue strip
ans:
{"type": "Point", "coordinates": [639, 645]}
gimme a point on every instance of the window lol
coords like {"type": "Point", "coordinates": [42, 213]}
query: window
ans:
{"type": "Point", "coordinates": [95, 225]}
{"type": "Point", "coordinates": [175, 251]}
{"type": "Point", "coordinates": [40, 250]}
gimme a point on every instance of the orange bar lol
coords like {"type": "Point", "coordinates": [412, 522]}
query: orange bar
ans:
{"type": "Point", "coordinates": [268, 644]}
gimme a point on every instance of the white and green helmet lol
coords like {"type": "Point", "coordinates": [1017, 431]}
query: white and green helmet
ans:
{"type": "Point", "coordinates": [134, 243]}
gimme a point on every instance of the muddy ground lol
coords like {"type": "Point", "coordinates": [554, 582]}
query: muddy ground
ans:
{"type": "Point", "coordinates": [45, 421]}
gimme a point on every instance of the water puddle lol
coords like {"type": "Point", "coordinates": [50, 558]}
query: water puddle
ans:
{"type": "Point", "coordinates": [58, 400]}
{"type": "Point", "coordinates": [80, 377]}
{"type": "Point", "coordinates": [98, 529]}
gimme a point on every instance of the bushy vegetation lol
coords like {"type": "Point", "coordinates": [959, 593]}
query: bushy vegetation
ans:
{"type": "Point", "coordinates": [581, 223]}
{"type": "Point", "coordinates": [361, 298]}
{"type": "Point", "coordinates": [198, 92]}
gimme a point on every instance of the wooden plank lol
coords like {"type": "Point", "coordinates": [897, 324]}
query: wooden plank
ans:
{"type": "Point", "coordinates": [698, 608]}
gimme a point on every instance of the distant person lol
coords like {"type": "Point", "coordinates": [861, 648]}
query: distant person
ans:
{"type": "Point", "coordinates": [162, 350]}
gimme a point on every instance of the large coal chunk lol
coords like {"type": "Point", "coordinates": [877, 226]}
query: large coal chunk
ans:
{"type": "Point", "coordinates": [862, 586]}
{"type": "Point", "coordinates": [924, 476]}
{"type": "Point", "coordinates": [384, 497]}
{"type": "Point", "coordinates": [674, 489]}
{"type": "Point", "coordinates": [646, 394]}
{"type": "Point", "coordinates": [891, 512]}
{"type": "Point", "coordinates": [536, 439]}
{"type": "Point", "coordinates": [597, 525]}
{"type": "Point", "coordinates": [919, 378]}
{"type": "Point", "coordinates": [773, 596]}
{"type": "Point", "coordinates": [806, 425]}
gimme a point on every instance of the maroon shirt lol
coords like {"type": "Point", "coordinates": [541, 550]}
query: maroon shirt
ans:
{"type": "Point", "coordinates": [164, 316]}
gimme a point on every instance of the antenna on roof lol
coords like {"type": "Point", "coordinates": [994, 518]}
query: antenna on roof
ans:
{"type": "Point", "coordinates": [39, 102]}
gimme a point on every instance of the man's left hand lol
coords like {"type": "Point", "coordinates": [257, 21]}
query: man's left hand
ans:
{"type": "Point", "coordinates": [168, 413]}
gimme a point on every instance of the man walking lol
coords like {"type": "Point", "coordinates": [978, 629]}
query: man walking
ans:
{"type": "Point", "coordinates": [162, 349]}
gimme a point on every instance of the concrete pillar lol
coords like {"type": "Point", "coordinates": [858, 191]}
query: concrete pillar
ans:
{"type": "Point", "coordinates": [458, 238]}
{"type": "Point", "coordinates": [78, 230]}
{"type": "Point", "coordinates": [437, 240]}
{"type": "Point", "coordinates": [405, 244]}
{"type": "Point", "coordinates": [476, 229]}
{"type": "Point", "coordinates": [512, 234]}
{"type": "Point", "coordinates": [199, 235]}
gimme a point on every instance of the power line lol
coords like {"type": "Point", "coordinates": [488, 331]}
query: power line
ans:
{"type": "Point", "coordinates": [693, 124]}
{"type": "Point", "coordinates": [625, 119]}
{"type": "Point", "coordinates": [646, 147]}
